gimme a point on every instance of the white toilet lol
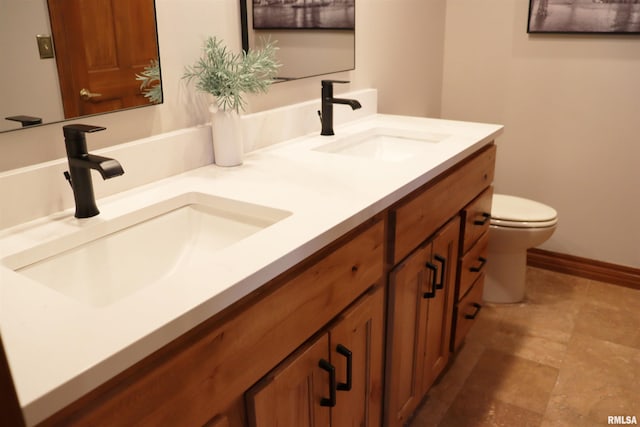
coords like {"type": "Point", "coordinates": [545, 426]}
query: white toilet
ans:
{"type": "Point", "coordinates": [517, 224]}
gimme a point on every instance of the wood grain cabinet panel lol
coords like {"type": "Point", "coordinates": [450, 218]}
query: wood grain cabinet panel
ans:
{"type": "Point", "coordinates": [428, 208]}
{"type": "Point", "coordinates": [406, 318]}
{"type": "Point", "coordinates": [476, 218]}
{"type": "Point", "coordinates": [218, 421]}
{"type": "Point", "coordinates": [473, 257]}
{"type": "Point", "coordinates": [291, 395]}
{"type": "Point", "coordinates": [421, 298]}
{"type": "Point", "coordinates": [440, 309]}
{"type": "Point", "coordinates": [472, 264]}
{"type": "Point", "coordinates": [360, 333]}
{"type": "Point", "coordinates": [467, 310]}
{"type": "Point", "coordinates": [334, 380]}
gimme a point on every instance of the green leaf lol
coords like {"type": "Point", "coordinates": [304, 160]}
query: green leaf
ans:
{"type": "Point", "coordinates": [151, 85]}
{"type": "Point", "coordinates": [228, 76]}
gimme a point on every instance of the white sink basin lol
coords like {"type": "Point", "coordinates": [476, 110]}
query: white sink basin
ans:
{"type": "Point", "coordinates": [387, 144]}
{"type": "Point", "coordinates": [107, 261]}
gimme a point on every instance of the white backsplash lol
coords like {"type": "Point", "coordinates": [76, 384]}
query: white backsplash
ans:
{"type": "Point", "coordinates": [280, 124]}
{"type": "Point", "coordinates": [40, 190]}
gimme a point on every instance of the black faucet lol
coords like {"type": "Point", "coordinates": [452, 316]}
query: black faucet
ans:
{"type": "Point", "coordinates": [80, 165]}
{"type": "Point", "coordinates": [326, 116]}
{"type": "Point", "coordinates": [26, 120]}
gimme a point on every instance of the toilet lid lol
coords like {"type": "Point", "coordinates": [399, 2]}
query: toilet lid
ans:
{"type": "Point", "coordinates": [517, 209]}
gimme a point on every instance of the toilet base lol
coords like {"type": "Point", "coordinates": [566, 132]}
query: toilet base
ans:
{"type": "Point", "coordinates": [505, 277]}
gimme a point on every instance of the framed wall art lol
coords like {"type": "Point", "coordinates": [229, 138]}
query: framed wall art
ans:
{"type": "Point", "coordinates": [584, 16]}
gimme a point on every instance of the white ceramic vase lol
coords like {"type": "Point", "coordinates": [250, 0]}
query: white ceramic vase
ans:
{"type": "Point", "coordinates": [227, 137]}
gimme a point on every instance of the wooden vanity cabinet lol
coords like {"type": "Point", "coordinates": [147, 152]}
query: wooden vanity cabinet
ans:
{"type": "Point", "coordinates": [201, 378]}
{"type": "Point", "coordinates": [258, 361]}
{"type": "Point", "coordinates": [425, 237]}
{"type": "Point", "coordinates": [335, 380]}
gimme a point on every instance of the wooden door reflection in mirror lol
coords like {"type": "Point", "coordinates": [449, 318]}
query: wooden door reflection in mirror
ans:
{"type": "Point", "coordinates": [101, 46]}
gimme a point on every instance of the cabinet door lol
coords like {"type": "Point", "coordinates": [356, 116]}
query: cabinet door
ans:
{"type": "Point", "coordinates": [291, 394]}
{"type": "Point", "coordinates": [406, 329]}
{"type": "Point", "coordinates": [357, 353]}
{"type": "Point", "coordinates": [440, 307]}
{"type": "Point", "coordinates": [421, 298]}
{"type": "Point", "coordinates": [300, 392]}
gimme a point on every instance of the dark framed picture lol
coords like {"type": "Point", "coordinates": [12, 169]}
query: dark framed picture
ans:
{"type": "Point", "coordinates": [303, 14]}
{"type": "Point", "coordinates": [584, 16]}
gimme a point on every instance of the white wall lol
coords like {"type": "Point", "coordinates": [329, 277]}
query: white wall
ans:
{"type": "Point", "coordinates": [404, 65]}
{"type": "Point", "coordinates": [571, 110]}
{"type": "Point", "coordinates": [570, 103]}
{"type": "Point", "coordinates": [411, 88]}
{"type": "Point", "coordinates": [26, 79]}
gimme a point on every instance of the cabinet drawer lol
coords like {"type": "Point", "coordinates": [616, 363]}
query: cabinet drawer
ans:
{"type": "Point", "coordinates": [473, 264]}
{"type": "Point", "coordinates": [428, 208]}
{"type": "Point", "coordinates": [467, 310]}
{"type": "Point", "coordinates": [477, 217]}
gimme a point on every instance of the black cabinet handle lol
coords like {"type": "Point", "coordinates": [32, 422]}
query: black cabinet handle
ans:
{"type": "Point", "coordinates": [483, 221]}
{"type": "Point", "coordinates": [346, 353]}
{"type": "Point", "coordinates": [434, 270]}
{"type": "Point", "coordinates": [331, 401]}
{"type": "Point", "coordinates": [483, 261]}
{"type": "Point", "coordinates": [443, 268]}
{"type": "Point", "coordinates": [475, 313]}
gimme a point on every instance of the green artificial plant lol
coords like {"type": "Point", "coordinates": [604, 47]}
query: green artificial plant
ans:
{"type": "Point", "coordinates": [151, 85]}
{"type": "Point", "coordinates": [228, 76]}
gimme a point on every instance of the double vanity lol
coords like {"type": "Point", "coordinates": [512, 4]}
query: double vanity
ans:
{"type": "Point", "coordinates": [333, 274]}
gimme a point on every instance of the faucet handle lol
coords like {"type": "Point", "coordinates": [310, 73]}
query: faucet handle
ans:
{"type": "Point", "coordinates": [74, 139]}
{"type": "Point", "coordinates": [25, 120]}
{"type": "Point", "coordinates": [329, 82]}
{"type": "Point", "coordinates": [78, 128]}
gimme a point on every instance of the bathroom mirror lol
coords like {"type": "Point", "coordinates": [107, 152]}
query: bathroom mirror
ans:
{"type": "Point", "coordinates": [76, 58]}
{"type": "Point", "coordinates": [307, 47]}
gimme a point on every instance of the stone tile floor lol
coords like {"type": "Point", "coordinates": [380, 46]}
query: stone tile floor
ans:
{"type": "Point", "coordinates": [567, 356]}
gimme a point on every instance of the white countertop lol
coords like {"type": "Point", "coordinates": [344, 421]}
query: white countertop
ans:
{"type": "Point", "coordinates": [59, 348]}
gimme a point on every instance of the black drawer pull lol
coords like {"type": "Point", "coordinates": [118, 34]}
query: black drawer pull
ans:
{"type": "Point", "coordinates": [443, 268]}
{"type": "Point", "coordinates": [346, 353]}
{"type": "Point", "coordinates": [331, 401]}
{"type": "Point", "coordinates": [434, 276]}
{"type": "Point", "coordinates": [483, 221]}
{"type": "Point", "coordinates": [475, 313]}
{"type": "Point", "coordinates": [483, 261]}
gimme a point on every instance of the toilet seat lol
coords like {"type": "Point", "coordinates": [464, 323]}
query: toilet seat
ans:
{"type": "Point", "coordinates": [517, 212]}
